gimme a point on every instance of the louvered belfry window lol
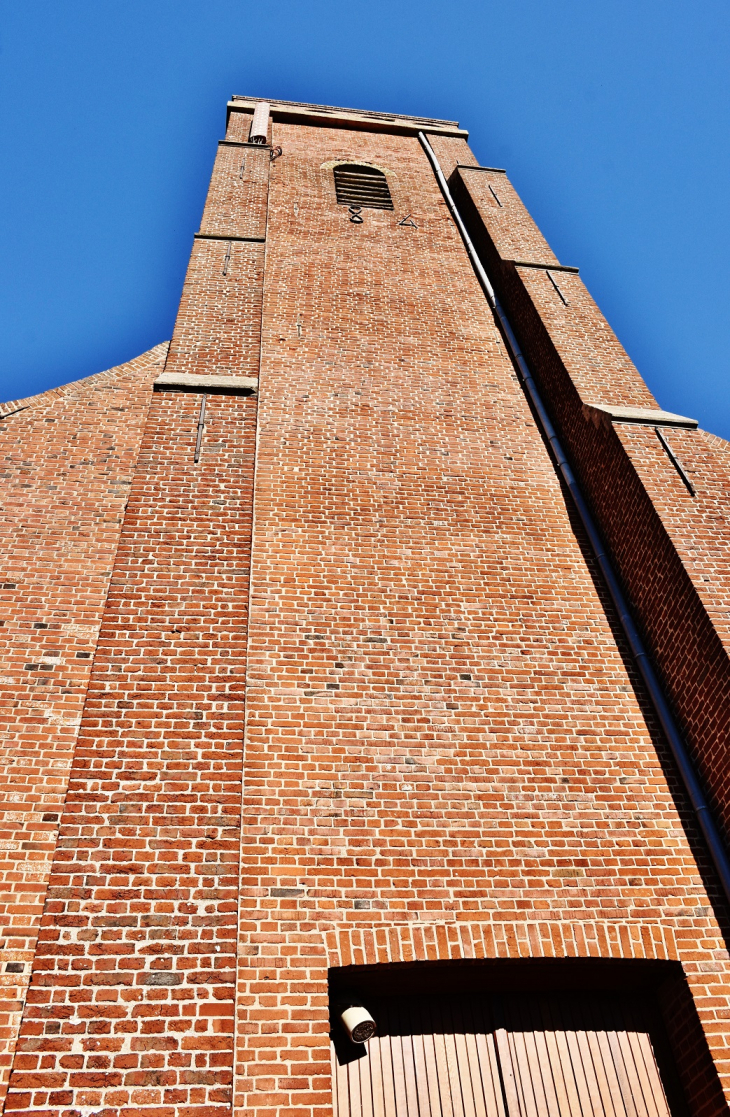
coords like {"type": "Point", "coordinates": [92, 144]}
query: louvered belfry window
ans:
{"type": "Point", "coordinates": [362, 186]}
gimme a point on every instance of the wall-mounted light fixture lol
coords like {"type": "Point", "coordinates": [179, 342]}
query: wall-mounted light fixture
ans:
{"type": "Point", "coordinates": [356, 1020]}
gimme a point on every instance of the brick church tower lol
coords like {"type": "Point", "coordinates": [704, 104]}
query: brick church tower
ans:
{"type": "Point", "coordinates": [366, 665]}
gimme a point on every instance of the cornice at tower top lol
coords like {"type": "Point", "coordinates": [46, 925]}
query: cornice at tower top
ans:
{"type": "Point", "coordinates": [363, 119]}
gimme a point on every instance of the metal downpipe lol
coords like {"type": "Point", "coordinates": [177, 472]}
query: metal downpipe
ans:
{"type": "Point", "coordinates": [663, 711]}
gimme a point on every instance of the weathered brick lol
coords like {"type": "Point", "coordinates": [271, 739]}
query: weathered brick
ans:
{"type": "Point", "coordinates": [445, 752]}
{"type": "Point", "coordinates": [671, 548]}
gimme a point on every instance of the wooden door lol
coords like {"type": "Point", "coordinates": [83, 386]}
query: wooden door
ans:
{"type": "Point", "coordinates": [481, 1056]}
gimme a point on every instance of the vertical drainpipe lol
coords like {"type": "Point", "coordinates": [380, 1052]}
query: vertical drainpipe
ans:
{"type": "Point", "coordinates": [259, 133]}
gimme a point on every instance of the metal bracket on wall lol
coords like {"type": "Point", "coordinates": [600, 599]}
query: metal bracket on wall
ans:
{"type": "Point", "coordinates": [201, 428]}
{"type": "Point", "coordinates": [560, 293]}
{"type": "Point", "coordinates": [675, 461]}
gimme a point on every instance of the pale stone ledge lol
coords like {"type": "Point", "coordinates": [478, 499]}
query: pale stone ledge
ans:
{"type": "Point", "coordinates": [299, 112]}
{"type": "Point", "coordinates": [215, 385]}
{"type": "Point", "coordinates": [644, 415]}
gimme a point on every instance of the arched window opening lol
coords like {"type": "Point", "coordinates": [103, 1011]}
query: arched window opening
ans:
{"type": "Point", "coordinates": [362, 186]}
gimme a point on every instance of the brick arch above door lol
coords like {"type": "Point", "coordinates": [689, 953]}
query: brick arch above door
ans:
{"type": "Point", "coordinates": [430, 942]}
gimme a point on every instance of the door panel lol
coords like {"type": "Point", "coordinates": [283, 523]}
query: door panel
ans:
{"type": "Point", "coordinates": [499, 1056]}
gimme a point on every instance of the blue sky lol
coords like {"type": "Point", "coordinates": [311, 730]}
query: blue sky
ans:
{"type": "Point", "coordinates": [612, 119]}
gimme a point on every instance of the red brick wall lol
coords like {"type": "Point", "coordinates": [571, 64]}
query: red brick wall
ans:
{"type": "Point", "coordinates": [441, 735]}
{"type": "Point", "coordinates": [132, 999]}
{"type": "Point", "coordinates": [513, 234]}
{"type": "Point", "coordinates": [688, 1049]}
{"type": "Point", "coordinates": [131, 1003]}
{"type": "Point", "coordinates": [236, 203]}
{"type": "Point", "coordinates": [219, 321]}
{"type": "Point", "coordinates": [669, 547]}
{"type": "Point", "coordinates": [698, 528]}
{"type": "Point", "coordinates": [444, 754]}
{"type": "Point", "coordinates": [66, 464]}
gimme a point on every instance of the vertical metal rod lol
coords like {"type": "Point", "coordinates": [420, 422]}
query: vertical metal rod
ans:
{"type": "Point", "coordinates": [227, 259]}
{"type": "Point", "coordinates": [555, 285]}
{"type": "Point", "coordinates": [665, 715]}
{"type": "Point", "coordinates": [201, 428]}
{"type": "Point", "coordinates": [675, 461]}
